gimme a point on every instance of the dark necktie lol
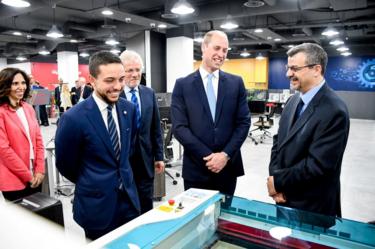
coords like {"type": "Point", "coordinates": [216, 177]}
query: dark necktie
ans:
{"type": "Point", "coordinates": [297, 114]}
{"type": "Point", "coordinates": [211, 96]}
{"type": "Point", "coordinates": [113, 132]}
{"type": "Point", "coordinates": [134, 100]}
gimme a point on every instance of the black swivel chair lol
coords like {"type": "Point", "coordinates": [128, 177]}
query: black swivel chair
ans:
{"type": "Point", "coordinates": [167, 136]}
{"type": "Point", "coordinates": [264, 123]}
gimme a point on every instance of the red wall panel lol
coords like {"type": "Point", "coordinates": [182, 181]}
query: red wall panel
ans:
{"type": "Point", "coordinates": [46, 73]}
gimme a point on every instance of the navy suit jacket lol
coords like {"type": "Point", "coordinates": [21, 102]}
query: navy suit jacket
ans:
{"type": "Point", "coordinates": [200, 136]}
{"type": "Point", "coordinates": [149, 133]}
{"type": "Point", "coordinates": [306, 157]}
{"type": "Point", "coordinates": [85, 156]}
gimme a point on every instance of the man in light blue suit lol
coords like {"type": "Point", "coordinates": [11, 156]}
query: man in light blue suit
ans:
{"type": "Point", "coordinates": [148, 153]}
{"type": "Point", "coordinates": [93, 144]}
{"type": "Point", "coordinates": [211, 119]}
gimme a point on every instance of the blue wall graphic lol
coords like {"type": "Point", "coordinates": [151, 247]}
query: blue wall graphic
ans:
{"type": "Point", "coordinates": [343, 73]}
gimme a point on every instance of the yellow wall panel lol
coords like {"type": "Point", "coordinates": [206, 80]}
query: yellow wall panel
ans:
{"type": "Point", "coordinates": [254, 72]}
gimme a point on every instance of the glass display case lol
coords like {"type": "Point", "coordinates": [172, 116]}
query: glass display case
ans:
{"type": "Point", "coordinates": [205, 219]}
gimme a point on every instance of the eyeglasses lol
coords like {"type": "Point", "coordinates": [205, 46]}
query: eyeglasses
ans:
{"type": "Point", "coordinates": [296, 69]}
{"type": "Point", "coordinates": [130, 71]}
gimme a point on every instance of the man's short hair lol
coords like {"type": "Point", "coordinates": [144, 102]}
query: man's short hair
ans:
{"type": "Point", "coordinates": [315, 54]}
{"type": "Point", "coordinates": [101, 58]}
{"type": "Point", "coordinates": [131, 56]}
{"type": "Point", "coordinates": [207, 37]}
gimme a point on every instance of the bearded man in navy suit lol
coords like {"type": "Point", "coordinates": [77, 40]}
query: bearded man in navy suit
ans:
{"type": "Point", "coordinates": [93, 143]}
{"type": "Point", "coordinates": [148, 153]}
{"type": "Point", "coordinates": [211, 119]}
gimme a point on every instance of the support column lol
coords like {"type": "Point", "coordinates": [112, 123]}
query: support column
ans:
{"type": "Point", "coordinates": [3, 63]}
{"type": "Point", "coordinates": [67, 67]}
{"type": "Point", "coordinates": [180, 54]}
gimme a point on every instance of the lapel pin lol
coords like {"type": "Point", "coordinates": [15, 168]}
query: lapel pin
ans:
{"type": "Point", "coordinates": [125, 112]}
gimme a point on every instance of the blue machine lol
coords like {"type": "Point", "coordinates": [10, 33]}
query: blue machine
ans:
{"type": "Point", "coordinates": [199, 219]}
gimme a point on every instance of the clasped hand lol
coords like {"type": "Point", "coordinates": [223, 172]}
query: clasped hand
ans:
{"type": "Point", "coordinates": [215, 162]}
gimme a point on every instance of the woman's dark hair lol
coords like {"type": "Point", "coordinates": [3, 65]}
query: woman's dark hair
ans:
{"type": "Point", "coordinates": [6, 79]}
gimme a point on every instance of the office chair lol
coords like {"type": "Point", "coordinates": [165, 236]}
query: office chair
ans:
{"type": "Point", "coordinates": [263, 124]}
{"type": "Point", "coordinates": [168, 150]}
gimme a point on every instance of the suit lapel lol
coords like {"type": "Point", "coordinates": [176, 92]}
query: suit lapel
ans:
{"type": "Point", "coordinates": [305, 116]}
{"type": "Point", "coordinates": [123, 117]}
{"type": "Point", "coordinates": [95, 117]}
{"type": "Point", "coordinates": [222, 89]}
{"type": "Point", "coordinates": [13, 115]}
{"type": "Point", "coordinates": [198, 84]}
{"type": "Point", "coordinates": [142, 100]}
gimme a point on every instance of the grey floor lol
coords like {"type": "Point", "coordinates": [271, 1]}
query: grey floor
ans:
{"type": "Point", "coordinates": [357, 177]}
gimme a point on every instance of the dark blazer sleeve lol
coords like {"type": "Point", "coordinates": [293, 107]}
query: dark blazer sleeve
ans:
{"type": "Point", "coordinates": [157, 139]}
{"type": "Point", "coordinates": [180, 124]}
{"type": "Point", "coordinates": [68, 143]}
{"type": "Point", "coordinates": [324, 153]}
{"type": "Point", "coordinates": [242, 123]}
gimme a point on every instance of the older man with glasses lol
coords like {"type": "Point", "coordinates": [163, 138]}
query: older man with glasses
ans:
{"type": "Point", "coordinates": [307, 152]}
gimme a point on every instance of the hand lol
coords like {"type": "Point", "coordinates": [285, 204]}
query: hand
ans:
{"type": "Point", "coordinates": [279, 198]}
{"type": "Point", "coordinates": [37, 180]}
{"type": "Point", "coordinates": [271, 186]}
{"type": "Point", "coordinates": [159, 166]}
{"type": "Point", "coordinates": [215, 162]}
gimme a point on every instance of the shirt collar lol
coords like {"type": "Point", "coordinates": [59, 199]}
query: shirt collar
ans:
{"type": "Point", "coordinates": [101, 103]}
{"type": "Point", "coordinates": [309, 95]}
{"type": "Point", "coordinates": [128, 89]}
{"type": "Point", "coordinates": [204, 73]}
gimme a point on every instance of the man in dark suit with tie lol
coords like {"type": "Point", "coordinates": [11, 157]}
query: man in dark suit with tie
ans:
{"type": "Point", "coordinates": [93, 144]}
{"type": "Point", "coordinates": [307, 152]}
{"type": "Point", "coordinates": [81, 91]}
{"type": "Point", "coordinates": [58, 90]}
{"type": "Point", "coordinates": [148, 155]}
{"type": "Point", "coordinates": [211, 119]}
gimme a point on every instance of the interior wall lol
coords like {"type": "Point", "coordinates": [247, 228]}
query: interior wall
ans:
{"type": "Point", "coordinates": [360, 104]}
{"type": "Point", "coordinates": [351, 77]}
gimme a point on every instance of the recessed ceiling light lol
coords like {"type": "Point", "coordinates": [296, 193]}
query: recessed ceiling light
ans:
{"type": "Point", "coordinates": [336, 42]}
{"type": "Point", "coordinates": [54, 32]}
{"type": "Point", "coordinates": [84, 54]}
{"type": "Point", "coordinates": [17, 33]}
{"type": "Point", "coordinates": [107, 12]}
{"type": "Point", "coordinates": [330, 31]}
{"type": "Point", "coordinates": [182, 7]}
{"type": "Point", "coordinates": [162, 26]}
{"type": "Point", "coordinates": [342, 49]}
{"type": "Point", "coordinates": [244, 53]}
{"type": "Point", "coordinates": [16, 3]}
{"type": "Point", "coordinates": [346, 53]}
{"type": "Point", "coordinates": [277, 39]}
{"type": "Point", "coordinates": [44, 52]}
{"type": "Point", "coordinates": [253, 3]}
{"type": "Point", "coordinates": [21, 58]}
{"type": "Point", "coordinates": [258, 31]}
{"type": "Point", "coordinates": [229, 25]}
{"type": "Point", "coordinates": [198, 39]}
{"type": "Point", "coordinates": [73, 40]}
{"type": "Point", "coordinates": [115, 51]}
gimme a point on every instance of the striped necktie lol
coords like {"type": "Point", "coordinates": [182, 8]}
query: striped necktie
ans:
{"type": "Point", "coordinates": [134, 100]}
{"type": "Point", "coordinates": [113, 133]}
